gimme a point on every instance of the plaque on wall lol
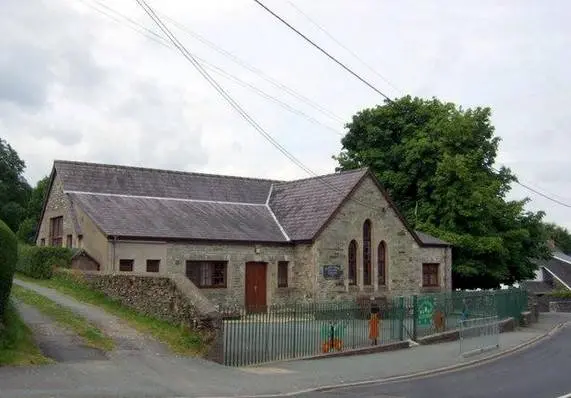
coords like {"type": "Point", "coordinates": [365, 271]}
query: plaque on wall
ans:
{"type": "Point", "coordinates": [332, 271]}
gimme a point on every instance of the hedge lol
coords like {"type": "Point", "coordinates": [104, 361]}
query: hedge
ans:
{"type": "Point", "coordinates": [561, 294]}
{"type": "Point", "coordinates": [39, 262]}
{"type": "Point", "coordinates": [8, 260]}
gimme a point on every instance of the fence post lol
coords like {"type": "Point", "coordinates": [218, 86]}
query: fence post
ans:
{"type": "Point", "coordinates": [401, 316]}
{"type": "Point", "coordinates": [414, 316]}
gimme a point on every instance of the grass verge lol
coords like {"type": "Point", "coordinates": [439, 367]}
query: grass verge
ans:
{"type": "Point", "coordinates": [68, 319]}
{"type": "Point", "coordinates": [180, 339]}
{"type": "Point", "coordinates": [17, 346]}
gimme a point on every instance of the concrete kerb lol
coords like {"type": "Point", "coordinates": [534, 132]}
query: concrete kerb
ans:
{"type": "Point", "coordinates": [417, 375]}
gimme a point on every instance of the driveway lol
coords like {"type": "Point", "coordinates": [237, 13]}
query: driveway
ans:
{"type": "Point", "coordinates": [127, 339]}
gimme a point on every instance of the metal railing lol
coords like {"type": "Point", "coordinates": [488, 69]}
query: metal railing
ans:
{"type": "Point", "coordinates": [281, 332]}
{"type": "Point", "coordinates": [479, 335]}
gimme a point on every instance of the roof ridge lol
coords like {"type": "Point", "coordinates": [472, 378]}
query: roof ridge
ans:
{"type": "Point", "coordinates": [361, 169]}
{"type": "Point", "coordinates": [118, 195]}
{"type": "Point", "coordinates": [180, 172]}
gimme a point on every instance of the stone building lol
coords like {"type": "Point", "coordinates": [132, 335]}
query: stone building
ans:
{"type": "Point", "coordinates": [243, 241]}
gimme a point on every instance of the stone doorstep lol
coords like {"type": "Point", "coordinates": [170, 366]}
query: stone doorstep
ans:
{"type": "Point", "coordinates": [363, 351]}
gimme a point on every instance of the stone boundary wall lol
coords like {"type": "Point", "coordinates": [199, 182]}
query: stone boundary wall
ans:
{"type": "Point", "coordinates": [560, 304]}
{"type": "Point", "coordinates": [170, 298]}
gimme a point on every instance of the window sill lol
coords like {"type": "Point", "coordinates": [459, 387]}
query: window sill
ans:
{"type": "Point", "coordinates": [431, 289]}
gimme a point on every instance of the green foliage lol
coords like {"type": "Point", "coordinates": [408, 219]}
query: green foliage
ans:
{"type": "Point", "coordinates": [14, 190]}
{"type": "Point", "coordinates": [28, 227]}
{"type": "Point", "coordinates": [39, 262]}
{"type": "Point", "coordinates": [8, 259]}
{"type": "Point", "coordinates": [561, 294]}
{"type": "Point", "coordinates": [560, 237]}
{"type": "Point", "coordinates": [436, 161]}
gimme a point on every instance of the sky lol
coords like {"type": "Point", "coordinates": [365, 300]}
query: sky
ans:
{"type": "Point", "coordinates": [79, 82]}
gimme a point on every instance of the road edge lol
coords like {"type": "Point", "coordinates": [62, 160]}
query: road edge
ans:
{"type": "Point", "coordinates": [425, 373]}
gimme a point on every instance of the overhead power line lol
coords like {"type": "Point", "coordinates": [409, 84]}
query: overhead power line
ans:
{"type": "Point", "coordinates": [341, 64]}
{"type": "Point", "coordinates": [537, 191]}
{"type": "Point", "coordinates": [321, 28]}
{"type": "Point", "coordinates": [234, 104]}
{"type": "Point", "coordinates": [234, 58]}
{"type": "Point", "coordinates": [152, 35]}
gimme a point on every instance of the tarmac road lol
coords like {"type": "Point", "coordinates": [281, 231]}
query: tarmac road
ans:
{"type": "Point", "coordinates": [542, 371]}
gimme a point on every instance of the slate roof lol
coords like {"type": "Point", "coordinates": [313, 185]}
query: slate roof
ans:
{"type": "Point", "coordinates": [137, 181]}
{"type": "Point", "coordinates": [304, 206]}
{"type": "Point", "coordinates": [560, 266]}
{"type": "Point", "coordinates": [430, 240]}
{"type": "Point", "coordinates": [149, 203]}
{"type": "Point", "coordinates": [141, 217]}
{"type": "Point", "coordinates": [536, 287]}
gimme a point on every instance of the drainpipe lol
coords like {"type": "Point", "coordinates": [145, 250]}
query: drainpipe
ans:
{"type": "Point", "coordinates": [114, 266]}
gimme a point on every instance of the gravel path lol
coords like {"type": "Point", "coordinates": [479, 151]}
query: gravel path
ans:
{"type": "Point", "coordinates": [128, 341]}
{"type": "Point", "coordinates": [54, 341]}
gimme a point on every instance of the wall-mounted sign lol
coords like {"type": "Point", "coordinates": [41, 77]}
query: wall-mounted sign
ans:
{"type": "Point", "coordinates": [332, 271]}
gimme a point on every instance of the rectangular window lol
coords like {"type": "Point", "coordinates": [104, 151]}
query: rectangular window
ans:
{"type": "Point", "coordinates": [430, 275]}
{"type": "Point", "coordinates": [153, 265]}
{"type": "Point", "coordinates": [69, 241]}
{"type": "Point", "coordinates": [126, 265]}
{"type": "Point", "coordinates": [283, 273]}
{"type": "Point", "coordinates": [56, 231]}
{"type": "Point", "coordinates": [42, 242]}
{"type": "Point", "coordinates": [207, 274]}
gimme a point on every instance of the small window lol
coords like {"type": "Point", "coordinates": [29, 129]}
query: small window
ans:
{"type": "Point", "coordinates": [283, 273]}
{"type": "Point", "coordinates": [430, 275]}
{"type": "Point", "coordinates": [382, 264]}
{"type": "Point", "coordinates": [207, 274]}
{"type": "Point", "coordinates": [126, 265]}
{"type": "Point", "coordinates": [352, 274]}
{"type": "Point", "coordinates": [153, 265]}
{"type": "Point", "coordinates": [69, 241]}
{"type": "Point", "coordinates": [42, 242]}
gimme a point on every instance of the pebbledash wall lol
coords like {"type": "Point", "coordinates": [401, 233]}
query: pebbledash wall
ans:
{"type": "Point", "coordinates": [305, 261]}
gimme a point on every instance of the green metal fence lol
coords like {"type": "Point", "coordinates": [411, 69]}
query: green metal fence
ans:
{"type": "Point", "coordinates": [274, 333]}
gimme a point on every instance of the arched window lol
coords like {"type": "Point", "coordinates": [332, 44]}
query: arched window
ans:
{"type": "Point", "coordinates": [352, 271]}
{"type": "Point", "coordinates": [367, 253]}
{"type": "Point", "coordinates": [382, 263]}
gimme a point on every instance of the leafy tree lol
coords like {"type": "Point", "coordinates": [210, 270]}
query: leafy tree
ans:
{"type": "Point", "coordinates": [436, 161]}
{"type": "Point", "coordinates": [14, 190]}
{"type": "Point", "coordinates": [560, 237]}
{"type": "Point", "coordinates": [28, 227]}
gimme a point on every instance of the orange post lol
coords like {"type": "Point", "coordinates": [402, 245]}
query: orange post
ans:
{"type": "Point", "coordinates": [374, 328]}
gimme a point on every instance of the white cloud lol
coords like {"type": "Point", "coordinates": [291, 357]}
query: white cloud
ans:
{"type": "Point", "coordinates": [76, 85]}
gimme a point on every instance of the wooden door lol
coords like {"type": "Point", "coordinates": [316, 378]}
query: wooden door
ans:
{"type": "Point", "coordinates": [255, 287]}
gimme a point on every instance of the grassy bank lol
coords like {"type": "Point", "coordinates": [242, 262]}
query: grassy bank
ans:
{"type": "Point", "coordinates": [180, 339]}
{"type": "Point", "coordinates": [17, 346]}
{"type": "Point", "coordinates": [66, 318]}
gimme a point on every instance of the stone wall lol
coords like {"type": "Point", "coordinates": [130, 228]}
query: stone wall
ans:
{"type": "Point", "coordinates": [404, 256]}
{"type": "Point", "coordinates": [236, 256]}
{"type": "Point", "coordinates": [156, 296]}
{"type": "Point", "coordinates": [559, 304]}
{"type": "Point", "coordinates": [89, 237]}
{"type": "Point", "coordinates": [57, 205]}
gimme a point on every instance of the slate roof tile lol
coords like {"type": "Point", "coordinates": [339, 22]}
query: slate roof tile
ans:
{"type": "Point", "coordinates": [136, 181]}
{"type": "Point", "coordinates": [303, 206]}
{"type": "Point", "coordinates": [129, 216]}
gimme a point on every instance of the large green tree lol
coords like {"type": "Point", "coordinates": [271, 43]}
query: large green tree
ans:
{"type": "Point", "coordinates": [560, 236]}
{"type": "Point", "coordinates": [28, 227]}
{"type": "Point", "coordinates": [14, 190]}
{"type": "Point", "coordinates": [436, 161]}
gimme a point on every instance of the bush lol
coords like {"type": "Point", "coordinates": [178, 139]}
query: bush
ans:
{"type": "Point", "coordinates": [561, 294]}
{"type": "Point", "coordinates": [8, 260]}
{"type": "Point", "coordinates": [39, 262]}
